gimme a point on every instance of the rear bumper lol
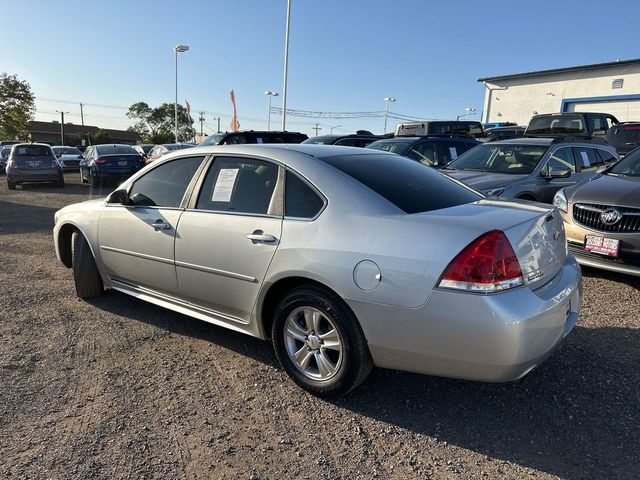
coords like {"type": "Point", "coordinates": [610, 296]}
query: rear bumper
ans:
{"type": "Point", "coordinates": [491, 338]}
{"type": "Point", "coordinates": [37, 176]}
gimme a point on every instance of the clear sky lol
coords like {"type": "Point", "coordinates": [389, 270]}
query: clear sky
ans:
{"type": "Point", "coordinates": [345, 55]}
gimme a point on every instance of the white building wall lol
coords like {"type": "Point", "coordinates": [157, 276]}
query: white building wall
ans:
{"type": "Point", "coordinates": [516, 100]}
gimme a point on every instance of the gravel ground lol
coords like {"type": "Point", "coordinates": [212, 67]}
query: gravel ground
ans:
{"type": "Point", "coordinates": [117, 388]}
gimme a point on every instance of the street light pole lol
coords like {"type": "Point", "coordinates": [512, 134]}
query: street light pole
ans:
{"type": "Point", "coordinates": [387, 101]}
{"type": "Point", "coordinates": [270, 94]}
{"type": "Point", "coordinates": [337, 126]}
{"type": "Point", "coordinates": [177, 49]}
{"type": "Point", "coordinates": [286, 67]}
{"type": "Point", "coordinates": [61, 126]}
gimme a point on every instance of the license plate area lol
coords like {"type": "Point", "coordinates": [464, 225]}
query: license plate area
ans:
{"type": "Point", "coordinates": [601, 245]}
{"type": "Point", "coordinates": [33, 164]}
{"type": "Point", "coordinates": [123, 163]}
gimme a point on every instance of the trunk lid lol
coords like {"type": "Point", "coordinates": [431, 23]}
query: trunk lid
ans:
{"type": "Point", "coordinates": [535, 231]}
{"type": "Point", "coordinates": [119, 161]}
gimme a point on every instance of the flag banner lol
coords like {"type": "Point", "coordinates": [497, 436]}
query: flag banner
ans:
{"type": "Point", "coordinates": [235, 124]}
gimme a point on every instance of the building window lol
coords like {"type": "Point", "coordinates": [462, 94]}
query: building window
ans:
{"type": "Point", "coordinates": [617, 83]}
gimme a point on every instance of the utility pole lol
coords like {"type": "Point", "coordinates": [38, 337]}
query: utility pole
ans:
{"type": "Point", "coordinates": [61, 126]}
{"type": "Point", "coordinates": [317, 128]}
{"type": "Point", "coordinates": [201, 119]}
{"type": "Point", "coordinates": [218, 124]}
{"type": "Point", "coordinates": [82, 121]}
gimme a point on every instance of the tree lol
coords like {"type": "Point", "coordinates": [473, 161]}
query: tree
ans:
{"type": "Point", "coordinates": [156, 125]}
{"type": "Point", "coordinates": [17, 106]}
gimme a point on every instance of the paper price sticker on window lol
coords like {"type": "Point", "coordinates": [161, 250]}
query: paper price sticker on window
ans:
{"type": "Point", "coordinates": [585, 159]}
{"type": "Point", "coordinates": [224, 185]}
{"type": "Point", "coordinates": [453, 153]}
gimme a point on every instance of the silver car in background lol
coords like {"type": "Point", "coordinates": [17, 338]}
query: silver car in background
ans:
{"type": "Point", "coordinates": [33, 163]}
{"type": "Point", "coordinates": [68, 157]}
{"type": "Point", "coordinates": [346, 258]}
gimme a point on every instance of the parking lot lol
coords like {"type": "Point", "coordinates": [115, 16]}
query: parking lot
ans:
{"type": "Point", "coordinates": [119, 388]}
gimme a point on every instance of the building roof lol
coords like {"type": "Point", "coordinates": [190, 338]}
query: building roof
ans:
{"type": "Point", "coordinates": [37, 126]}
{"type": "Point", "coordinates": [535, 73]}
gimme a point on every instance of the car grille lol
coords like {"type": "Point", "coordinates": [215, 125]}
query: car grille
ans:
{"type": "Point", "coordinates": [588, 215]}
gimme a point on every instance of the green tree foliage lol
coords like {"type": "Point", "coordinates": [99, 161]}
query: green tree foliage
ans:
{"type": "Point", "coordinates": [155, 125]}
{"type": "Point", "coordinates": [17, 107]}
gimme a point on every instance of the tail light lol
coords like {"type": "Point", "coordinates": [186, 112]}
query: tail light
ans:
{"type": "Point", "coordinates": [141, 160]}
{"type": "Point", "coordinates": [101, 161]}
{"type": "Point", "coordinates": [486, 265]}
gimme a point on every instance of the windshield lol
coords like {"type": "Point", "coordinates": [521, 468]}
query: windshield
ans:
{"type": "Point", "coordinates": [4, 152]}
{"type": "Point", "coordinates": [212, 139]}
{"type": "Point", "coordinates": [66, 150]}
{"type": "Point", "coordinates": [628, 166]}
{"type": "Point", "coordinates": [510, 159]}
{"type": "Point", "coordinates": [557, 125]}
{"type": "Point", "coordinates": [390, 146]}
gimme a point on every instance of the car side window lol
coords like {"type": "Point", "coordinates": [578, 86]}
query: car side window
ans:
{"type": "Point", "coordinates": [242, 185]}
{"type": "Point", "coordinates": [588, 159]}
{"type": "Point", "coordinates": [347, 142]}
{"type": "Point", "coordinates": [607, 157]}
{"type": "Point", "coordinates": [300, 200]}
{"type": "Point", "coordinates": [165, 185]}
{"type": "Point", "coordinates": [561, 159]}
{"type": "Point", "coordinates": [424, 153]}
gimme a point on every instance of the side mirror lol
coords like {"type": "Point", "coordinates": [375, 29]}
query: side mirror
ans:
{"type": "Point", "coordinates": [120, 197]}
{"type": "Point", "coordinates": [556, 173]}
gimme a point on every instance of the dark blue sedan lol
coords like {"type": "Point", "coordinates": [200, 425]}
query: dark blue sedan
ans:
{"type": "Point", "coordinates": [109, 161]}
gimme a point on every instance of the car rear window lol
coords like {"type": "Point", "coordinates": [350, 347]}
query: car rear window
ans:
{"type": "Point", "coordinates": [556, 125]}
{"type": "Point", "coordinates": [115, 150]}
{"type": "Point", "coordinates": [32, 151]}
{"type": "Point", "coordinates": [66, 150]}
{"type": "Point", "coordinates": [403, 182]}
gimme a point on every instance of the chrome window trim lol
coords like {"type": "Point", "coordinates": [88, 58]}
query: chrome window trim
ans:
{"type": "Point", "coordinates": [237, 214]}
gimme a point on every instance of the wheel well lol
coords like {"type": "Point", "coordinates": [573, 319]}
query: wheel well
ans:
{"type": "Point", "coordinates": [279, 289]}
{"type": "Point", "coordinates": [64, 243]}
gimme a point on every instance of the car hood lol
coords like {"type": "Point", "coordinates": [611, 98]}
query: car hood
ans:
{"type": "Point", "coordinates": [608, 190]}
{"type": "Point", "coordinates": [484, 180]}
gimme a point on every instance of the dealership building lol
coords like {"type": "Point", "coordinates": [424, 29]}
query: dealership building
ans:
{"type": "Point", "coordinates": [612, 87]}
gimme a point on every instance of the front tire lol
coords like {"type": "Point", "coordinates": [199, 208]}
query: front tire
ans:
{"type": "Point", "coordinates": [11, 185]}
{"type": "Point", "coordinates": [85, 272]}
{"type": "Point", "coordinates": [319, 343]}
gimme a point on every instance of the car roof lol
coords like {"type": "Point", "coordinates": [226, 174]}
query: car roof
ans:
{"type": "Point", "coordinates": [456, 138]}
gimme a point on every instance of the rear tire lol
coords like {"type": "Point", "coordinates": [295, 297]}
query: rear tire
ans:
{"type": "Point", "coordinates": [93, 180]}
{"type": "Point", "coordinates": [11, 185]}
{"type": "Point", "coordinates": [60, 183]}
{"type": "Point", "coordinates": [336, 343]}
{"type": "Point", "coordinates": [85, 272]}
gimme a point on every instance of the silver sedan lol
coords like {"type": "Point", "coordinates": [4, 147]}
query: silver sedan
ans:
{"type": "Point", "coordinates": [346, 258]}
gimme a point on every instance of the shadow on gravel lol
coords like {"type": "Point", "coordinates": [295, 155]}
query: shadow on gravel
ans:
{"type": "Point", "coordinates": [71, 189]}
{"type": "Point", "coordinates": [575, 417]}
{"type": "Point", "coordinates": [19, 218]}
{"type": "Point", "coordinates": [613, 276]}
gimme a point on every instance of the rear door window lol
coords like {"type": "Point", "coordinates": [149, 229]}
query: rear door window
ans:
{"type": "Point", "coordinates": [238, 185]}
{"type": "Point", "coordinates": [587, 158]}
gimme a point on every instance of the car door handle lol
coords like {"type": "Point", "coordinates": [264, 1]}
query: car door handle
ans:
{"type": "Point", "coordinates": [260, 236]}
{"type": "Point", "coordinates": [160, 225]}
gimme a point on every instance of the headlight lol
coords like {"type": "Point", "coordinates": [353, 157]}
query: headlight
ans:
{"type": "Point", "coordinates": [560, 201]}
{"type": "Point", "coordinates": [493, 192]}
